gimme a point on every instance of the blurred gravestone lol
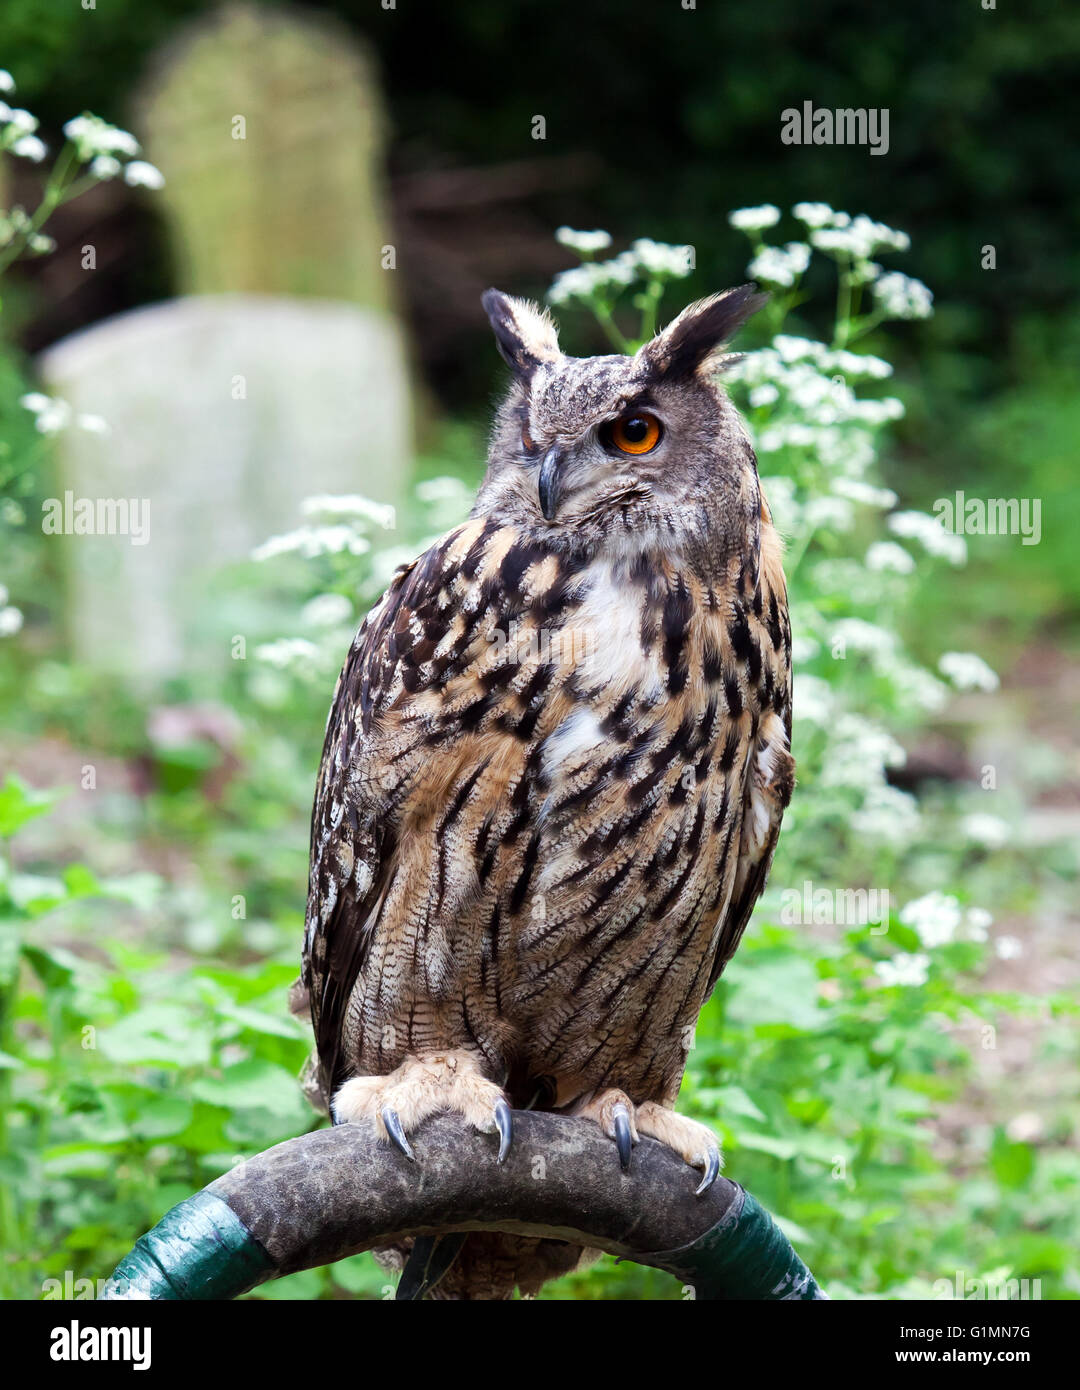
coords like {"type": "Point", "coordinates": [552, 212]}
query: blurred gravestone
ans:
{"type": "Point", "coordinates": [282, 373]}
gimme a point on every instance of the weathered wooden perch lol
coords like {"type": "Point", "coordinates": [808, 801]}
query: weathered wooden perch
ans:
{"type": "Point", "coordinates": [330, 1194]}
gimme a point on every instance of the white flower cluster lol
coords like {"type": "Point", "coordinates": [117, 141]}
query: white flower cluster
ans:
{"type": "Point", "coordinates": [858, 237]}
{"type": "Point", "coordinates": [754, 219]}
{"type": "Point", "coordinates": [867, 494]}
{"type": "Point", "coordinates": [890, 557]}
{"type": "Point", "coordinates": [313, 541]}
{"type": "Point", "coordinates": [991, 832]}
{"type": "Point", "coordinates": [98, 144]}
{"type": "Point", "coordinates": [17, 128]}
{"type": "Point", "coordinates": [17, 223]}
{"type": "Point", "coordinates": [780, 265]}
{"type": "Point", "coordinates": [819, 215]}
{"type": "Point", "coordinates": [938, 919]}
{"type": "Point", "coordinates": [92, 136]}
{"type": "Point", "coordinates": [930, 534]}
{"type": "Point", "coordinates": [808, 381]}
{"type": "Point", "coordinates": [583, 243]}
{"type": "Point", "coordinates": [904, 969]}
{"type": "Point", "coordinates": [651, 260]}
{"type": "Point", "coordinates": [11, 619]}
{"type": "Point", "coordinates": [288, 653]}
{"type": "Point", "coordinates": [861, 753]}
{"type": "Point", "coordinates": [902, 297]}
{"type": "Point", "coordinates": [51, 415]}
{"type": "Point", "coordinates": [351, 504]}
{"type": "Point", "coordinates": [327, 611]}
{"type": "Point", "coordinates": [967, 671]}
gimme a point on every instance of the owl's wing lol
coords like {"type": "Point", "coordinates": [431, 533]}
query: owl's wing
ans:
{"type": "Point", "coordinates": [350, 845]}
{"type": "Point", "coordinates": [769, 784]}
{"type": "Point", "coordinates": [771, 771]}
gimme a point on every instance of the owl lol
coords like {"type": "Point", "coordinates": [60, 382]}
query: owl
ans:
{"type": "Point", "coordinates": [555, 769]}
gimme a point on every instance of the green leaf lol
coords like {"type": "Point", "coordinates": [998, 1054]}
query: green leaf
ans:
{"type": "Point", "coordinates": [1011, 1163]}
{"type": "Point", "coordinates": [163, 1035]}
{"type": "Point", "coordinates": [20, 803]}
{"type": "Point", "coordinates": [252, 1085]}
{"type": "Point", "coordinates": [161, 1117]}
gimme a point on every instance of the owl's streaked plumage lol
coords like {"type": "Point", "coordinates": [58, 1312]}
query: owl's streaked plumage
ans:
{"type": "Point", "coordinates": [555, 767]}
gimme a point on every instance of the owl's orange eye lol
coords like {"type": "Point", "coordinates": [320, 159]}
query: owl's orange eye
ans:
{"type": "Point", "coordinates": [636, 432]}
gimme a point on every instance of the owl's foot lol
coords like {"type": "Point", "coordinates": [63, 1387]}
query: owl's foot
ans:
{"type": "Point", "coordinates": [396, 1104]}
{"type": "Point", "coordinates": [694, 1142]}
{"type": "Point", "coordinates": [625, 1122]}
{"type": "Point", "coordinates": [614, 1112]}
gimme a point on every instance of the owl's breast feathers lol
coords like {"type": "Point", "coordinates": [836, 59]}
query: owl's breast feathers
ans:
{"type": "Point", "coordinates": [549, 796]}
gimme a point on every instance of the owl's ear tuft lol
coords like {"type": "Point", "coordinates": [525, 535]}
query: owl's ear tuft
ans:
{"type": "Point", "coordinates": [526, 334]}
{"type": "Point", "coordinates": [696, 339]}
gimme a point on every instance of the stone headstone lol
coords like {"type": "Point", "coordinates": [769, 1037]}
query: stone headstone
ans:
{"type": "Point", "coordinates": [269, 128]}
{"type": "Point", "coordinates": [224, 412]}
{"type": "Point", "coordinates": [282, 372]}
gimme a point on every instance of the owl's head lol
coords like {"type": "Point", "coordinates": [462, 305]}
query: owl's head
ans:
{"type": "Point", "coordinates": [616, 451]}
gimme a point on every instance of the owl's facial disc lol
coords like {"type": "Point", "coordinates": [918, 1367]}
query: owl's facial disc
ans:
{"type": "Point", "coordinates": [605, 464]}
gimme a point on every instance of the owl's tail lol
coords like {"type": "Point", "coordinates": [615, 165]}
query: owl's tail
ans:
{"type": "Point", "coordinates": [484, 1265]}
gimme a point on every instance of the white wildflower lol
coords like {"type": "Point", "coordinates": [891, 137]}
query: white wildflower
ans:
{"type": "Point", "coordinates": [659, 258]}
{"type": "Point", "coordinates": [754, 219]}
{"type": "Point", "coordinates": [20, 121]}
{"type": "Point", "coordinates": [812, 700]}
{"type": "Point", "coordinates": [780, 265]}
{"type": "Point", "coordinates": [104, 166]}
{"type": "Point", "coordinates": [814, 214]}
{"type": "Point", "coordinates": [793, 349]}
{"type": "Point", "coordinates": [889, 816]}
{"type": "Point", "coordinates": [866, 493]}
{"type": "Point", "coordinates": [856, 364]}
{"type": "Point", "coordinates": [50, 413]}
{"type": "Point", "coordinates": [140, 174]}
{"type": "Point", "coordinates": [7, 82]}
{"type": "Point", "coordinates": [985, 829]}
{"type": "Point", "coordinates": [831, 513]}
{"type": "Point", "coordinates": [935, 917]}
{"type": "Point", "coordinates": [902, 297]}
{"type": "Point", "coordinates": [1008, 947]}
{"type": "Point", "coordinates": [765, 394]}
{"type": "Point", "coordinates": [327, 610]}
{"type": "Point", "coordinates": [288, 652]}
{"type": "Point", "coordinates": [92, 136]}
{"type": "Point", "coordinates": [11, 620]}
{"type": "Point", "coordinates": [351, 504]}
{"type": "Point", "coordinates": [861, 636]}
{"type": "Point", "coordinates": [30, 147]}
{"type": "Point", "coordinates": [904, 969]}
{"type": "Point", "coordinates": [584, 243]}
{"type": "Point", "coordinates": [930, 534]}
{"type": "Point", "coordinates": [93, 424]}
{"type": "Point", "coordinates": [967, 671]}
{"type": "Point", "coordinates": [312, 541]}
{"type": "Point", "coordinates": [860, 237]}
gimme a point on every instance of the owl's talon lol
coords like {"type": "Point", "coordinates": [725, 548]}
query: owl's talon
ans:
{"type": "Point", "coordinates": [396, 1132]}
{"type": "Point", "coordinates": [624, 1139]}
{"type": "Point", "coordinates": [712, 1171]}
{"type": "Point", "coordinates": [504, 1123]}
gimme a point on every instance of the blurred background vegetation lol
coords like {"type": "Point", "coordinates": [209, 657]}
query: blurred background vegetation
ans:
{"type": "Point", "coordinates": [154, 813]}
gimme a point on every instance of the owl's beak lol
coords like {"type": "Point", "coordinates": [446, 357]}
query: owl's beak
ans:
{"type": "Point", "coordinates": [547, 485]}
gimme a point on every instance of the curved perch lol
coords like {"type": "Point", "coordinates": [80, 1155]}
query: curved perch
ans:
{"type": "Point", "coordinates": [334, 1192]}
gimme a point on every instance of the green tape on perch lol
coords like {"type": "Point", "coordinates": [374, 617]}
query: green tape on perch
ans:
{"type": "Point", "coordinates": [744, 1256]}
{"type": "Point", "coordinates": [198, 1250]}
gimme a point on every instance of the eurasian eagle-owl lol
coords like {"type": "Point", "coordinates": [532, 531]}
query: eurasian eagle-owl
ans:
{"type": "Point", "coordinates": [555, 769]}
